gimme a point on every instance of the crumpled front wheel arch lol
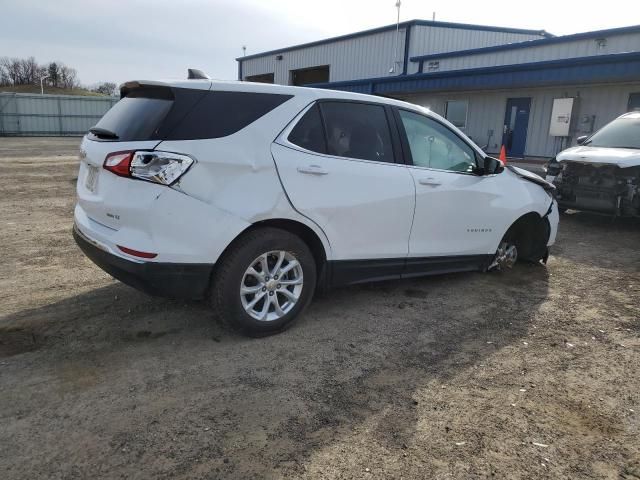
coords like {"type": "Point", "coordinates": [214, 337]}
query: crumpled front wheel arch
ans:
{"type": "Point", "coordinates": [530, 233]}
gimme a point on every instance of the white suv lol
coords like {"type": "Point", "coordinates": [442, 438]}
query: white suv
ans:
{"type": "Point", "coordinates": [253, 195]}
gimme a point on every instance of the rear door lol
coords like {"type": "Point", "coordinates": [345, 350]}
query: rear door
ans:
{"type": "Point", "coordinates": [337, 163]}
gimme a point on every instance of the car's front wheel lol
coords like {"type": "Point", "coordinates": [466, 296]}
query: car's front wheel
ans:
{"type": "Point", "coordinates": [264, 281]}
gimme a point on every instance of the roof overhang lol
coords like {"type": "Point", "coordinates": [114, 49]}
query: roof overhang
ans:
{"type": "Point", "coordinates": [581, 70]}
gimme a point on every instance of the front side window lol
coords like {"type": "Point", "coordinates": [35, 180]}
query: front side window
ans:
{"type": "Point", "coordinates": [433, 145]}
{"type": "Point", "coordinates": [357, 130]}
{"type": "Point", "coordinates": [456, 112]}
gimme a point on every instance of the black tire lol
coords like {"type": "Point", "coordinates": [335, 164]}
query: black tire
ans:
{"type": "Point", "coordinates": [225, 288]}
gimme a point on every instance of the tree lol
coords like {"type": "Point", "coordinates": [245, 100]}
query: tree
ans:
{"type": "Point", "coordinates": [28, 71]}
{"type": "Point", "coordinates": [53, 70]}
{"type": "Point", "coordinates": [106, 88]}
{"type": "Point", "coordinates": [68, 77]}
{"type": "Point", "coordinates": [11, 70]}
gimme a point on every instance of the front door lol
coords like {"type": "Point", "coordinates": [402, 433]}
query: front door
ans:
{"type": "Point", "coordinates": [455, 218]}
{"type": "Point", "coordinates": [516, 122]}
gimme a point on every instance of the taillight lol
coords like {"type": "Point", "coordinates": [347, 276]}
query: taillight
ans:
{"type": "Point", "coordinates": [159, 167]}
{"type": "Point", "coordinates": [119, 163]}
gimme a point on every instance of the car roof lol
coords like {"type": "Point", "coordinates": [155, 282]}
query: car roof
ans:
{"type": "Point", "coordinates": [634, 115]}
{"type": "Point", "coordinates": [308, 92]}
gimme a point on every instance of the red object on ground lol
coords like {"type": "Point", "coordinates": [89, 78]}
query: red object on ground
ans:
{"type": "Point", "coordinates": [503, 155]}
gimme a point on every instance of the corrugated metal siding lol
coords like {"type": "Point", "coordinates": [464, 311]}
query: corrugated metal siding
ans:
{"type": "Point", "coordinates": [580, 48]}
{"type": "Point", "coordinates": [486, 111]}
{"type": "Point", "coordinates": [362, 57]}
{"type": "Point", "coordinates": [428, 40]}
{"type": "Point", "coordinates": [372, 55]}
{"type": "Point", "coordinates": [28, 114]}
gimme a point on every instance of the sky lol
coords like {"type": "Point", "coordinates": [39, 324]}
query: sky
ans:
{"type": "Point", "coordinates": [119, 40]}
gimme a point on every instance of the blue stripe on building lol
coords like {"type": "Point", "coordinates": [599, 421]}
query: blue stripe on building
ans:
{"type": "Point", "coordinates": [581, 70]}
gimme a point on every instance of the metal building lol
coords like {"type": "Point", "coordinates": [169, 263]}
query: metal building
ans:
{"type": "Point", "coordinates": [499, 85]}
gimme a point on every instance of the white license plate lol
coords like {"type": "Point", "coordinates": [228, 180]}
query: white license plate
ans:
{"type": "Point", "coordinates": [92, 178]}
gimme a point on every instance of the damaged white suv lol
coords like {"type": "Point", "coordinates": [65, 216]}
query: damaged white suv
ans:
{"type": "Point", "coordinates": [253, 195]}
{"type": "Point", "coordinates": [602, 173]}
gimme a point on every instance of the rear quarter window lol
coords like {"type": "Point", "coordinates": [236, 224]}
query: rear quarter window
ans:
{"type": "Point", "coordinates": [220, 114]}
{"type": "Point", "coordinates": [163, 113]}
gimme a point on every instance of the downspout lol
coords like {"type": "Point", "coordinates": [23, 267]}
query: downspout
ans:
{"type": "Point", "coordinates": [407, 40]}
{"type": "Point", "coordinates": [240, 70]}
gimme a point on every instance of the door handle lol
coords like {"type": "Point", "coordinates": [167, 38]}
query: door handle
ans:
{"type": "Point", "coordinates": [313, 170]}
{"type": "Point", "coordinates": [429, 181]}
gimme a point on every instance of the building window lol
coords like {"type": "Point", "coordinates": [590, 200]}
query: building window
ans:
{"type": "Point", "coordinates": [305, 76]}
{"type": "Point", "coordinates": [435, 65]}
{"type": "Point", "coordinates": [262, 78]}
{"type": "Point", "coordinates": [456, 112]}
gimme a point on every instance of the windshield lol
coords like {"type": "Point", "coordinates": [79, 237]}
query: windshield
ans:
{"type": "Point", "coordinates": [621, 133]}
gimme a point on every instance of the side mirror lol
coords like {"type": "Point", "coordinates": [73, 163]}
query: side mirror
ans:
{"type": "Point", "coordinates": [490, 166]}
{"type": "Point", "coordinates": [582, 139]}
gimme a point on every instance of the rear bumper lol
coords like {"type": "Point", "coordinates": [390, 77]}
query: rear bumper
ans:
{"type": "Point", "coordinates": [175, 280]}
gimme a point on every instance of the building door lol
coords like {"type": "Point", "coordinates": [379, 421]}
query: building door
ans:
{"type": "Point", "coordinates": [634, 102]}
{"type": "Point", "coordinates": [516, 122]}
{"type": "Point", "coordinates": [305, 76]}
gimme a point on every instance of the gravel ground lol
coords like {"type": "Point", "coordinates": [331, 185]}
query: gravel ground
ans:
{"type": "Point", "coordinates": [528, 374]}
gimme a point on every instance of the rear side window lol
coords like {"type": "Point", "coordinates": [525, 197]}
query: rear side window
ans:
{"type": "Point", "coordinates": [220, 114]}
{"type": "Point", "coordinates": [357, 130]}
{"type": "Point", "coordinates": [161, 113]}
{"type": "Point", "coordinates": [309, 132]}
{"type": "Point", "coordinates": [138, 115]}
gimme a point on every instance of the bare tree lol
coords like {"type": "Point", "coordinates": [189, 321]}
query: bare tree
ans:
{"type": "Point", "coordinates": [11, 70]}
{"type": "Point", "coordinates": [68, 77]}
{"type": "Point", "coordinates": [106, 88]}
{"type": "Point", "coordinates": [28, 71]}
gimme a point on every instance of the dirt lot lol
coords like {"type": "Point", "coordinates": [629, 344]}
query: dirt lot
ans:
{"type": "Point", "coordinates": [528, 374]}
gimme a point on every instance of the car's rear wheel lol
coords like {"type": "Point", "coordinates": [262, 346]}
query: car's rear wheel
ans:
{"type": "Point", "coordinates": [263, 282]}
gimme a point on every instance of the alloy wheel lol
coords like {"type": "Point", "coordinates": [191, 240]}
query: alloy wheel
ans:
{"type": "Point", "coordinates": [271, 285]}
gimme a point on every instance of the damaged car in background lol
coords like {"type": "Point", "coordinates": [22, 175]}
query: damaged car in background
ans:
{"type": "Point", "coordinates": [602, 173]}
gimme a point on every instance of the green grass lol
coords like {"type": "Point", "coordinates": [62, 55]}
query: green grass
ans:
{"type": "Point", "coordinates": [50, 90]}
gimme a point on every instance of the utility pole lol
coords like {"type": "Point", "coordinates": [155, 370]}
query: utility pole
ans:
{"type": "Point", "coordinates": [395, 48]}
{"type": "Point", "coordinates": [41, 85]}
